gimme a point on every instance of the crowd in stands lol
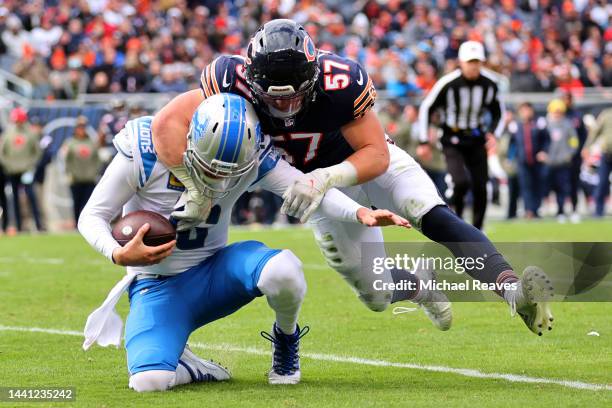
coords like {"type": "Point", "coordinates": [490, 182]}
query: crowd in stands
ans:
{"type": "Point", "coordinates": [67, 47]}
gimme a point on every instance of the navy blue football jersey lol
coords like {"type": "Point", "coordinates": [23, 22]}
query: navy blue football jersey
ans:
{"type": "Point", "coordinates": [344, 93]}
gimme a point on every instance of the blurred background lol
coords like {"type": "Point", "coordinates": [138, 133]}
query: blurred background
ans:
{"type": "Point", "coordinates": [72, 72]}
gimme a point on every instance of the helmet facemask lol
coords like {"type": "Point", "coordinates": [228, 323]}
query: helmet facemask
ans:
{"type": "Point", "coordinates": [283, 102]}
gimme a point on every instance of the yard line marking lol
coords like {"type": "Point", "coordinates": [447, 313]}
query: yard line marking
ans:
{"type": "Point", "coordinates": [466, 372]}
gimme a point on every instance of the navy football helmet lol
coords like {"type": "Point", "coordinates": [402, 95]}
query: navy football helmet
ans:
{"type": "Point", "coordinates": [281, 68]}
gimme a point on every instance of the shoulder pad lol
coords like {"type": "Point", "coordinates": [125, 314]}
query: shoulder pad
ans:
{"type": "Point", "coordinates": [267, 160]}
{"type": "Point", "coordinates": [347, 84]}
{"type": "Point", "coordinates": [224, 74]}
{"type": "Point", "coordinates": [143, 152]}
{"type": "Point", "coordinates": [123, 143]}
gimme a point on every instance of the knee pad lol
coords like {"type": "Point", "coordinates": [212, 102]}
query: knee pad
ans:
{"type": "Point", "coordinates": [347, 262]}
{"type": "Point", "coordinates": [283, 274]}
{"type": "Point", "coordinates": [152, 380]}
{"type": "Point", "coordinates": [342, 261]}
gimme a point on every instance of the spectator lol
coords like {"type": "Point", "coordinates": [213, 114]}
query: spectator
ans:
{"type": "Point", "coordinates": [43, 38]}
{"type": "Point", "coordinates": [523, 79]}
{"type": "Point", "coordinates": [601, 136]}
{"type": "Point", "coordinates": [33, 68]}
{"type": "Point", "coordinates": [82, 165]}
{"type": "Point", "coordinates": [169, 81]}
{"type": "Point", "coordinates": [508, 158]}
{"type": "Point", "coordinates": [558, 156]}
{"type": "Point", "coordinates": [19, 154]}
{"type": "Point", "coordinates": [575, 117]}
{"type": "Point", "coordinates": [75, 81]}
{"type": "Point", "coordinates": [557, 43]}
{"type": "Point", "coordinates": [15, 38]}
{"type": "Point", "coordinates": [530, 137]}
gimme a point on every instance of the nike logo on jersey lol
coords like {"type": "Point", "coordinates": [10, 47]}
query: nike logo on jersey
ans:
{"type": "Point", "coordinates": [225, 83]}
{"type": "Point", "coordinates": [360, 80]}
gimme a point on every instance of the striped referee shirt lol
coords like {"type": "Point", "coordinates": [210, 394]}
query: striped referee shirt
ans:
{"type": "Point", "coordinates": [462, 104]}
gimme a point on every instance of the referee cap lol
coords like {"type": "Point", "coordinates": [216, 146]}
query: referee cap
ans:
{"type": "Point", "coordinates": [471, 50]}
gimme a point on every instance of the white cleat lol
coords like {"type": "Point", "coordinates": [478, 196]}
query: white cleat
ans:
{"type": "Point", "coordinates": [534, 309]}
{"type": "Point", "coordinates": [437, 306]}
{"type": "Point", "coordinates": [202, 370]}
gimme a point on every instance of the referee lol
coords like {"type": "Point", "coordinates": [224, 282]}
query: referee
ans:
{"type": "Point", "coordinates": [471, 116]}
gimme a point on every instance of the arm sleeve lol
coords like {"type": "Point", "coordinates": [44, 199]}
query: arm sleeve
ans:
{"type": "Point", "coordinates": [429, 104]}
{"type": "Point", "coordinates": [335, 204]}
{"type": "Point", "coordinates": [117, 186]}
{"type": "Point", "coordinates": [498, 113]}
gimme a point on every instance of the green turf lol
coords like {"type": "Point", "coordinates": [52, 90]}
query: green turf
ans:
{"type": "Point", "coordinates": [55, 281]}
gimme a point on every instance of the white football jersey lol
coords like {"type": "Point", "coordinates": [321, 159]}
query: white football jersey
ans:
{"type": "Point", "coordinates": [159, 191]}
{"type": "Point", "coordinates": [137, 180]}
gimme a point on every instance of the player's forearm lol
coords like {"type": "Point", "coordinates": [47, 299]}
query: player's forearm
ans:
{"type": "Point", "coordinates": [97, 232]}
{"type": "Point", "coordinates": [337, 206]}
{"type": "Point", "coordinates": [171, 125]}
{"type": "Point", "coordinates": [112, 192]}
{"type": "Point", "coordinates": [169, 146]}
{"type": "Point", "coordinates": [369, 162]}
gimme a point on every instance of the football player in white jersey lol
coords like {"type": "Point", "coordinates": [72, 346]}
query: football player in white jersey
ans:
{"type": "Point", "coordinates": [180, 286]}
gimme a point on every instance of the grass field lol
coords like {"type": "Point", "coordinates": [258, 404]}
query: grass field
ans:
{"type": "Point", "coordinates": [351, 358]}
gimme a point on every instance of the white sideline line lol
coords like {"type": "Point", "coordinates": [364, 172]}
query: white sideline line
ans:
{"type": "Point", "coordinates": [466, 372]}
{"type": "Point", "coordinates": [61, 261]}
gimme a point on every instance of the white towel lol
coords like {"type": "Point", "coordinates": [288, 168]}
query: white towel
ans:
{"type": "Point", "coordinates": [104, 325]}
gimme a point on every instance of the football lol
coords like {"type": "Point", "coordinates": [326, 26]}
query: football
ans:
{"type": "Point", "coordinates": [161, 230]}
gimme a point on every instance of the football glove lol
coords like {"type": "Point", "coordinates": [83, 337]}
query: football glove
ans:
{"type": "Point", "coordinates": [197, 206]}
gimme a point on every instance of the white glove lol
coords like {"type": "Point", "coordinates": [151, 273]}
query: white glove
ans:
{"type": "Point", "coordinates": [196, 210]}
{"type": "Point", "coordinates": [303, 197]}
{"type": "Point", "coordinates": [196, 205]}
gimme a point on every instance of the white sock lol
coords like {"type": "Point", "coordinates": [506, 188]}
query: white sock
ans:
{"type": "Point", "coordinates": [282, 282]}
{"type": "Point", "coordinates": [182, 375]}
{"type": "Point", "coordinates": [152, 380]}
{"type": "Point", "coordinates": [515, 298]}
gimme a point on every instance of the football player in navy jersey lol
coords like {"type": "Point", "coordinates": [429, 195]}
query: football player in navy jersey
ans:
{"type": "Point", "coordinates": [317, 107]}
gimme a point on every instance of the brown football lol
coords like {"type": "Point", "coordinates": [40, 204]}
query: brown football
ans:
{"type": "Point", "coordinates": [160, 231]}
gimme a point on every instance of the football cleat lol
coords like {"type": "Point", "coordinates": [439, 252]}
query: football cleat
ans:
{"type": "Point", "coordinates": [285, 358]}
{"type": "Point", "coordinates": [534, 308]}
{"type": "Point", "coordinates": [436, 305]}
{"type": "Point", "coordinates": [202, 370]}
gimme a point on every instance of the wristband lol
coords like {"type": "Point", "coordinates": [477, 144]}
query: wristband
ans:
{"type": "Point", "coordinates": [340, 175]}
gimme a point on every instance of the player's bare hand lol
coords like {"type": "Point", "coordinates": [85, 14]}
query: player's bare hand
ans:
{"type": "Point", "coordinates": [136, 253]}
{"type": "Point", "coordinates": [381, 218]}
